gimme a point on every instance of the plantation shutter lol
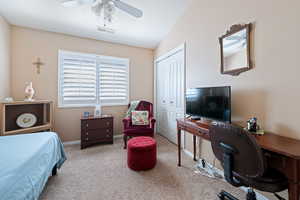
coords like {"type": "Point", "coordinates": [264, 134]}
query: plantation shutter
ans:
{"type": "Point", "coordinates": [78, 78]}
{"type": "Point", "coordinates": [113, 81]}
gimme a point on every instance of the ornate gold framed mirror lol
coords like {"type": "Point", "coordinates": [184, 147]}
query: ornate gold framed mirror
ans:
{"type": "Point", "coordinates": [235, 50]}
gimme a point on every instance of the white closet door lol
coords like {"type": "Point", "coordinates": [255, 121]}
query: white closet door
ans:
{"type": "Point", "coordinates": [162, 97]}
{"type": "Point", "coordinates": [176, 93]}
{"type": "Point", "coordinates": [170, 94]}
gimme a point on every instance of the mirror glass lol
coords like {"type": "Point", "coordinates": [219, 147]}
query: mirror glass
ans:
{"type": "Point", "coordinates": [235, 48]}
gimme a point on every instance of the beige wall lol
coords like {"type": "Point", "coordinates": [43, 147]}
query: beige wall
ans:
{"type": "Point", "coordinates": [5, 31]}
{"type": "Point", "coordinates": [271, 90]}
{"type": "Point", "coordinates": [28, 44]}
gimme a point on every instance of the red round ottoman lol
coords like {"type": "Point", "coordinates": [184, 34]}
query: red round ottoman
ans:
{"type": "Point", "coordinates": [141, 153]}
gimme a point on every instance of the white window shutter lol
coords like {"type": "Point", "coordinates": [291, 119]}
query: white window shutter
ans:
{"type": "Point", "coordinates": [78, 78]}
{"type": "Point", "coordinates": [87, 80]}
{"type": "Point", "coordinates": [113, 81]}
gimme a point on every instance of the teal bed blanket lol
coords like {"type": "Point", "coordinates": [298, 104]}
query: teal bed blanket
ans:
{"type": "Point", "coordinates": [26, 162]}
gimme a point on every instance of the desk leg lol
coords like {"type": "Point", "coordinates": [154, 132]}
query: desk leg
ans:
{"type": "Point", "coordinates": [194, 141]}
{"type": "Point", "coordinates": [179, 146]}
{"type": "Point", "coordinates": [294, 192]}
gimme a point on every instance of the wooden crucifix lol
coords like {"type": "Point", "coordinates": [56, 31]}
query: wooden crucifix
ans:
{"type": "Point", "coordinates": [38, 64]}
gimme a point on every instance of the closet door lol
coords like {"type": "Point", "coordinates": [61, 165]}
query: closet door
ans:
{"type": "Point", "coordinates": [162, 97]}
{"type": "Point", "coordinates": [170, 94]}
{"type": "Point", "coordinates": [176, 93]}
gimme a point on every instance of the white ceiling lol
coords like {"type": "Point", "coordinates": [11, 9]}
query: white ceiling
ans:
{"type": "Point", "coordinates": [148, 31]}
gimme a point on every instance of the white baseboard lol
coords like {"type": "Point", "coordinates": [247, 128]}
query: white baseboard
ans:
{"type": "Point", "coordinates": [118, 136]}
{"type": "Point", "coordinates": [221, 172]}
{"type": "Point", "coordinates": [76, 142]}
{"type": "Point", "coordinates": [71, 142]}
{"type": "Point", "coordinates": [188, 153]}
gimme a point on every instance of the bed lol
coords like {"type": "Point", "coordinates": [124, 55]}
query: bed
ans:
{"type": "Point", "coordinates": [26, 162]}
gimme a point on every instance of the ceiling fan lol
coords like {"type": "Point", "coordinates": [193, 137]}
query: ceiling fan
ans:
{"type": "Point", "coordinates": [105, 5]}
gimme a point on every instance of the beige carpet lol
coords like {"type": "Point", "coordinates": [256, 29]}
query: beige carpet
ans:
{"type": "Point", "coordinates": [101, 172]}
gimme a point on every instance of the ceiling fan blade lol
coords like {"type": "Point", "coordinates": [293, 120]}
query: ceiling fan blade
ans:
{"type": "Point", "coordinates": [128, 8]}
{"type": "Point", "coordinates": [86, 2]}
{"type": "Point", "coordinates": [74, 3]}
{"type": "Point", "coordinates": [70, 3]}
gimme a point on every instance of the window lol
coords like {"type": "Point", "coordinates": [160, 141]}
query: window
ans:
{"type": "Point", "coordinates": [113, 76]}
{"type": "Point", "coordinates": [87, 80]}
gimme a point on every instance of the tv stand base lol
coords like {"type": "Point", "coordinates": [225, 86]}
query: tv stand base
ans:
{"type": "Point", "coordinates": [195, 118]}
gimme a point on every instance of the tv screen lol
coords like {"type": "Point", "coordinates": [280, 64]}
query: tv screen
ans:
{"type": "Point", "coordinates": [212, 103]}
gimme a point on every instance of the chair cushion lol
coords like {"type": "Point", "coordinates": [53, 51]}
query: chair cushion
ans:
{"type": "Point", "coordinates": [141, 143]}
{"type": "Point", "coordinates": [272, 181]}
{"type": "Point", "coordinates": [138, 131]}
{"type": "Point", "coordinates": [140, 117]}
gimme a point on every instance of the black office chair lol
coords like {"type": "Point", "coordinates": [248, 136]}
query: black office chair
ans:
{"type": "Point", "coordinates": [243, 162]}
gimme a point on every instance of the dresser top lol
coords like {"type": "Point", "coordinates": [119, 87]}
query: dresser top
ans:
{"type": "Point", "coordinates": [94, 117]}
{"type": "Point", "coordinates": [25, 102]}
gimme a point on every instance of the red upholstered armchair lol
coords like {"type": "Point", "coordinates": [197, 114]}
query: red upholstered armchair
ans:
{"type": "Point", "coordinates": [130, 130]}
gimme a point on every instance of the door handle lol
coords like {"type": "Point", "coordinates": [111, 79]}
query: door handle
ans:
{"type": "Point", "coordinates": [164, 101]}
{"type": "Point", "coordinates": [171, 101]}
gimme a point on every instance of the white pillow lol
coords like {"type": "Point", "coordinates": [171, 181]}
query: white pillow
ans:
{"type": "Point", "coordinates": [140, 117]}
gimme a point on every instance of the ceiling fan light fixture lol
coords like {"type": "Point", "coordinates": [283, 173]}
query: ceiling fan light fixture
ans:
{"type": "Point", "coordinates": [105, 10]}
{"type": "Point", "coordinates": [97, 8]}
{"type": "Point", "coordinates": [106, 29]}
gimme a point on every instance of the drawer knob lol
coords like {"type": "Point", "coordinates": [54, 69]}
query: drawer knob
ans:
{"type": "Point", "coordinates": [107, 130]}
{"type": "Point", "coordinates": [87, 125]}
{"type": "Point", "coordinates": [87, 133]}
{"type": "Point", "coordinates": [87, 139]}
{"type": "Point", "coordinates": [108, 136]}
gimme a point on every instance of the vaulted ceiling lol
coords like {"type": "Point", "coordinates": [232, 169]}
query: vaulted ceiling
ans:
{"type": "Point", "coordinates": [50, 15]}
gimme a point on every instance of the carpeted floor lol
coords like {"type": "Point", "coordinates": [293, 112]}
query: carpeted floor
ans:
{"type": "Point", "coordinates": [101, 172]}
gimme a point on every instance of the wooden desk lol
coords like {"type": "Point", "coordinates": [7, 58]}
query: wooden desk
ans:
{"type": "Point", "coordinates": [281, 153]}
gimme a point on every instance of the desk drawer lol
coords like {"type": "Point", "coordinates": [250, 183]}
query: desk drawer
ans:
{"type": "Point", "coordinates": [97, 134]}
{"type": "Point", "coordinates": [97, 124]}
{"type": "Point", "coordinates": [96, 131]}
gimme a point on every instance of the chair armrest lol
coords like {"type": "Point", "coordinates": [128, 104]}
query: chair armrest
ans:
{"type": "Point", "coordinates": [152, 124]}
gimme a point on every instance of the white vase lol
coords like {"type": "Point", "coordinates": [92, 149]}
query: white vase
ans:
{"type": "Point", "coordinates": [97, 111]}
{"type": "Point", "coordinates": [29, 92]}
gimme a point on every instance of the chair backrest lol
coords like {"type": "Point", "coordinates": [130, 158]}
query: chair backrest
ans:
{"type": "Point", "coordinates": [245, 154]}
{"type": "Point", "coordinates": [145, 105]}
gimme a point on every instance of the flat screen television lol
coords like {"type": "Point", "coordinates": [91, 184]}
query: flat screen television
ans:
{"type": "Point", "coordinates": [211, 103]}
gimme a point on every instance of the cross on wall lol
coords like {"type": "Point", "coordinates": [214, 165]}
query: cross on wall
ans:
{"type": "Point", "coordinates": [38, 65]}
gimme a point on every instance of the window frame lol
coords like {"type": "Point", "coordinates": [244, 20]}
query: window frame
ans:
{"type": "Point", "coordinates": [63, 53]}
